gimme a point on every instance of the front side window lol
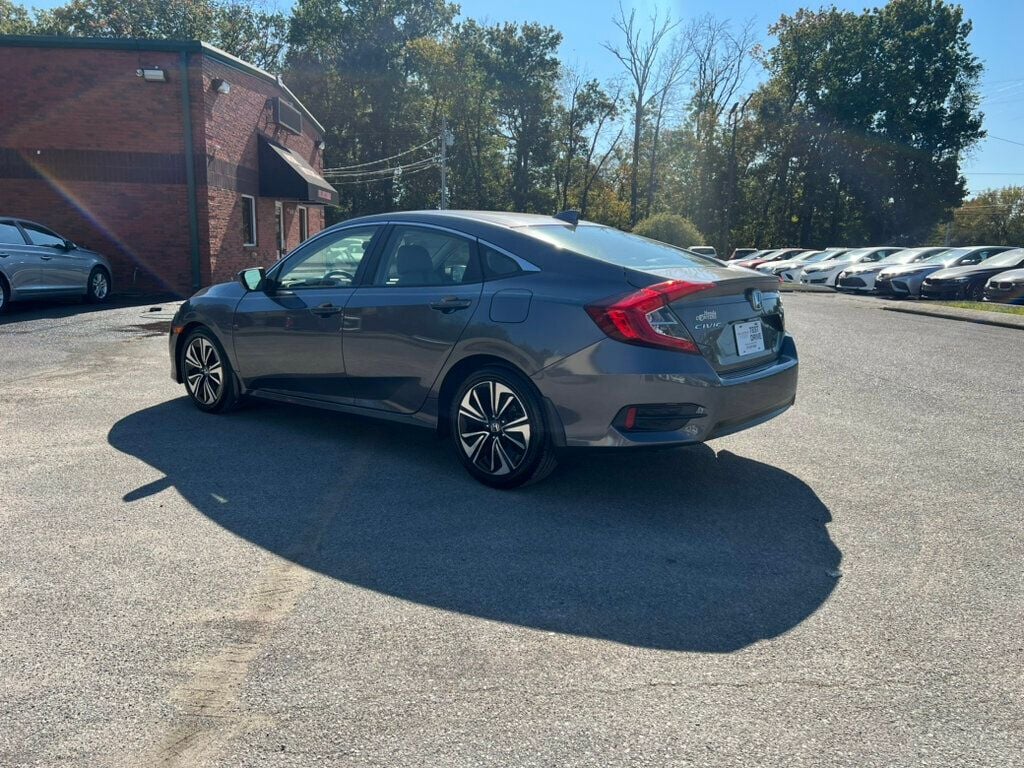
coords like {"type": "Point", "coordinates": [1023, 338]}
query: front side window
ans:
{"type": "Point", "coordinates": [248, 220]}
{"type": "Point", "coordinates": [416, 256]}
{"type": "Point", "coordinates": [10, 234]}
{"type": "Point", "coordinates": [41, 235]}
{"type": "Point", "coordinates": [329, 262]}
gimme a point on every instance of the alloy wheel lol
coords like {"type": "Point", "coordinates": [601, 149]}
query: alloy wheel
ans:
{"type": "Point", "coordinates": [494, 427]}
{"type": "Point", "coordinates": [100, 286]}
{"type": "Point", "coordinates": [204, 372]}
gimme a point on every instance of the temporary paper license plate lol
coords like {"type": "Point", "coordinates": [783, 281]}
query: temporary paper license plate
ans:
{"type": "Point", "coordinates": [749, 339]}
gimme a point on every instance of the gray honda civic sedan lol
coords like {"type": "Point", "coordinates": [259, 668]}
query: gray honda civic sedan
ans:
{"type": "Point", "coordinates": [518, 335]}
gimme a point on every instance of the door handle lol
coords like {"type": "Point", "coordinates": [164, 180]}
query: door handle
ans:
{"type": "Point", "coordinates": [450, 304]}
{"type": "Point", "coordinates": [46, 258]}
{"type": "Point", "coordinates": [4, 255]}
{"type": "Point", "coordinates": [326, 310]}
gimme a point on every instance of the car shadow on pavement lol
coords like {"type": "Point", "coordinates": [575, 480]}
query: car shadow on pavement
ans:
{"type": "Point", "coordinates": [681, 549]}
{"type": "Point", "coordinates": [56, 308]}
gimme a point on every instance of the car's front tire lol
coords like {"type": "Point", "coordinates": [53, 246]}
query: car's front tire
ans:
{"type": "Point", "coordinates": [97, 290]}
{"type": "Point", "coordinates": [499, 430]}
{"type": "Point", "coordinates": [206, 371]}
{"type": "Point", "coordinates": [5, 295]}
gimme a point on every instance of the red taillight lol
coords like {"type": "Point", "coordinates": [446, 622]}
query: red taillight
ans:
{"type": "Point", "coordinates": [644, 318]}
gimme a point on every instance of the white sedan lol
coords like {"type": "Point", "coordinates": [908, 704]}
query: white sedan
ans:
{"type": "Point", "coordinates": [827, 272]}
{"type": "Point", "coordinates": [789, 270]}
{"type": "Point", "coordinates": [861, 277]}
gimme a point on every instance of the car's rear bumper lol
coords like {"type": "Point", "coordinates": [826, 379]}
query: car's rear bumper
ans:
{"type": "Point", "coordinates": [590, 389]}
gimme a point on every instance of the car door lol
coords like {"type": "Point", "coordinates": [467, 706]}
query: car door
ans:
{"type": "Point", "coordinates": [401, 328]}
{"type": "Point", "coordinates": [288, 339]}
{"type": "Point", "coordinates": [60, 270]}
{"type": "Point", "coordinates": [18, 260]}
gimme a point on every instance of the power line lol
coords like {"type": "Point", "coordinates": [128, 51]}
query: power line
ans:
{"type": "Point", "coordinates": [382, 172]}
{"type": "Point", "coordinates": [382, 160]}
{"type": "Point", "coordinates": [384, 178]}
{"type": "Point", "coordinates": [1008, 141]}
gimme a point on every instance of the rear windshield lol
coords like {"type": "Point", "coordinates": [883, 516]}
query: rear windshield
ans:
{"type": "Point", "coordinates": [617, 247]}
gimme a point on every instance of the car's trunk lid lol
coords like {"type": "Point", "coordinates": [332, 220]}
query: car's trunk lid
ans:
{"type": "Point", "coordinates": [738, 323]}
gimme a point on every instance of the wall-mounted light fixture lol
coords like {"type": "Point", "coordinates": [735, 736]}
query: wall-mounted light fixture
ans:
{"type": "Point", "coordinates": [152, 74]}
{"type": "Point", "coordinates": [220, 85]}
{"type": "Point", "coordinates": [321, 145]}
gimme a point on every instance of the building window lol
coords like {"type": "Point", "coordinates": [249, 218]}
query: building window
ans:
{"type": "Point", "coordinates": [279, 224]}
{"type": "Point", "coordinates": [303, 224]}
{"type": "Point", "coordinates": [248, 220]}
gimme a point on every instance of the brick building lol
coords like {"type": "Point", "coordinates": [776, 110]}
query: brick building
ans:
{"type": "Point", "coordinates": [179, 162]}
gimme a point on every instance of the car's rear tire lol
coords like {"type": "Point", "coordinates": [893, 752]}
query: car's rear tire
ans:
{"type": "Point", "coordinates": [97, 290]}
{"type": "Point", "coordinates": [498, 427]}
{"type": "Point", "coordinates": [206, 371]}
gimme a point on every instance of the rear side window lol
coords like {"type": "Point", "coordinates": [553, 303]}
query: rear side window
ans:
{"type": "Point", "coordinates": [497, 265]}
{"type": "Point", "coordinates": [10, 234]}
{"type": "Point", "coordinates": [41, 236]}
{"type": "Point", "coordinates": [617, 247]}
{"type": "Point", "coordinates": [416, 256]}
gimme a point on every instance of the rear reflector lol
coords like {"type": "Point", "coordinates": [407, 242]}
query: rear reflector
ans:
{"type": "Point", "coordinates": [644, 317]}
{"type": "Point", "coordinates": [660, 417]}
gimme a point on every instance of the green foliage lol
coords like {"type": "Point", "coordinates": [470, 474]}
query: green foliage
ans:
{"type": "Point", "coordinates": [670, 228]}
{"type": "Point", "coordinates": [994, 217]}
{"type": "Point", "coordinates": [255, 35]}
{"type": "Point", "coordinates": [859, 131]}
{"type": "Point", "coordinates": [15, 19]}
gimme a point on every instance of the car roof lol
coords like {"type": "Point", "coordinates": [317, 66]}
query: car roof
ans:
{"type": "Point", "coordinates": [508, 219]}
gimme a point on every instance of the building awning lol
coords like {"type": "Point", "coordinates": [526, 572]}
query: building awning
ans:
{"type": "Point", "coordinates": [287, 176]}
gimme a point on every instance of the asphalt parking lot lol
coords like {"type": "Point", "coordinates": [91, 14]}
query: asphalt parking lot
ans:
{"type": "Point", "coordinates": [841, 586]}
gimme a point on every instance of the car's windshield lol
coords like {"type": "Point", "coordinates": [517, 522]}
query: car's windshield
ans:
{"type": "Point", "coordinates": [617, 247]}
{"type": "Point", "coordinates": [947, 257]}
{"type": "Point", "coordinates": [856, 253]}
{"type": "Point", "coordinates": [903, 257]}
{"type": "Point", "coordinates": [1005, 259]}
{"type": "Point", "coordinates": [811, 256]}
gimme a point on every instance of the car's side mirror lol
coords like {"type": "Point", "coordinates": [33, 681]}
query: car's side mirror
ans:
{"type": "Point", "coordinates": [253, 279]}
{"type": "Point", "coordinates": [69, 246]}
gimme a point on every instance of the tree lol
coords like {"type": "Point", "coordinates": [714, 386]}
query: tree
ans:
{"type": "Point", "coordinates": [995, 216]}
{"type": "Point", "coordinates": [863, 122]}
{"type": "Point", "coordinates": [352, 62]}
{"type": "Point", "coordinates": [586, 106]}
{"type": "Point", "coordinates": [670, 228]}
{"type": "Point", "coordinates": [15, 19]}
{"type": "Point", "coordinates": [525, 66]}
{"type": "Point", "coordinates": [639, 54]}
{"type": "Point", "coordinates": [244, 30]}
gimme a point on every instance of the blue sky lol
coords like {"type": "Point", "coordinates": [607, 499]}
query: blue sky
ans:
{"type": "Point", "coordinates": [585, 24]}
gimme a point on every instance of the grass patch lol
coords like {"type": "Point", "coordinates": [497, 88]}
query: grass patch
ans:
{"type": "Point", "coordinates": [985, 306]}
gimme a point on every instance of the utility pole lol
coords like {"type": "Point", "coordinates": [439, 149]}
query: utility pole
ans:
{"type": "Point", "coordinates": [444, 163]}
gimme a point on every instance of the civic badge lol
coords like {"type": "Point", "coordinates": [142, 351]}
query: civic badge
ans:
{"type": "Point", "coordinates": [754, 297]}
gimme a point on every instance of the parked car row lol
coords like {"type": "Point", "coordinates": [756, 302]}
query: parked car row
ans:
{"type": "Point", "coordinates": [974, 273]}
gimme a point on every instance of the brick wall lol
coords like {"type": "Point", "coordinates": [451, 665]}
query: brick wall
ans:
{"type": "Point", "coordinates": [78, 102]}
{"type": "Point", "coordinates": [234, 123]}
{"type": "Point", "coordinates": [98, 154]}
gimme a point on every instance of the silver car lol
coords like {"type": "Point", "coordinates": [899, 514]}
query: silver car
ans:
{"type": "Point", "coordinates": [36, 262]}
{"type": "Point", "coordinates": [518, 335]}
{"type": "Point", "coordinates": [908, 279]}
